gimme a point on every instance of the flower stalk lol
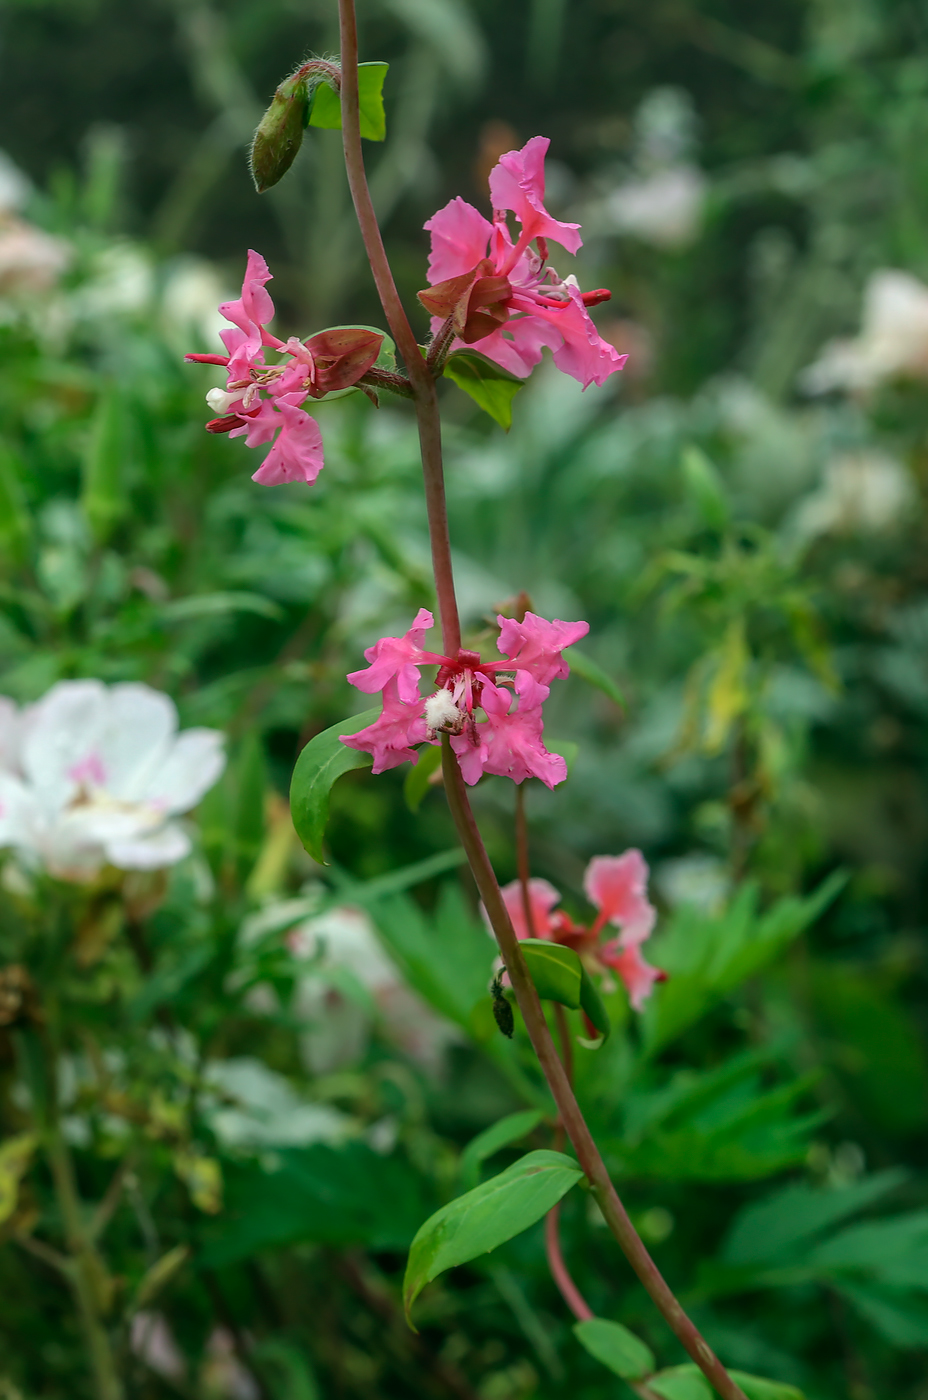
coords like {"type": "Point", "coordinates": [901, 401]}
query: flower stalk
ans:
{"type": "Point", "coordinates": [429, 423]}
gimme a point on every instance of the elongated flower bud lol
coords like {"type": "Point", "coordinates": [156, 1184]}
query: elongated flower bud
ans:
{"type": "Point", "coordinates": [280, 132]}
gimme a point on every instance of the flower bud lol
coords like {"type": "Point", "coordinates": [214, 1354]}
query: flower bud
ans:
{"type": "Point", "coordinates": [280, 133]}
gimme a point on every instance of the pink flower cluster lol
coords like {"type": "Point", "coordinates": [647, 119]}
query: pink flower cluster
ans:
{"type": "Point", "coordinates": [507, 740]}
{"type": "Point", "coordinates": [505, 297]}
{"type": "Point", "coordinates": [617, 888]}
{"type": "Point", "coordinates": [262, 401]}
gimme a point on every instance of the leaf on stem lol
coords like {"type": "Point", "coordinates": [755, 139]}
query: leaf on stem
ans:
{"type": "Point", "coordinates": [325, 109]}
{"type": "Point", "coordinates": [15, 1156]}
{"type": "Point", "coordinates": [592, 1004]}
{"type": "Point", "coordinates": [491, 388]}
{"type": "Point", "coordinates": [590, 671]}
{"type": "Point", "coordinates": [486, 1217]}
{"type": "Point", "coordinates": [418, 780]}
{"type": "Point", "coordinates": [512, 1128]}
{"type": "Point", "coordinates": [617, 1348]}
{"type": "Point", "coordinates": [324, 759]}
{"type": "Point", "coordinates": [688, 1383]}
{"type": "Point", "coordinates": [556, 971]}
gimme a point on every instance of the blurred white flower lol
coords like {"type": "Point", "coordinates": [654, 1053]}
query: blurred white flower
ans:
{"type": "Point", "coordinates": [862, 491]}
{"type": "Point", "coordinates": [189, 301]}
{"type": "Point", "coordinates": [893, 339]}
{"type": "Point", "coordinates": [121, 283]}
{"type": "Point", "coordinates": [92, 774]}
{"type": "Point", "coordinates": [30, 260]}
{"type": "Point", "coordinates": [697, 879]}
{"type": "Point", "coordinates": [15, 185]}
{"type": "Point", "coordinates": [152, 1341]}
{"type": "Point", "coordinates": [344, 942]}
{"type": "Point", "coordinates": [223, 1377]}
{"type": "Point", "coordinates": [664, 208]}
{"type": "Point", "coordinates": [262, 1109]}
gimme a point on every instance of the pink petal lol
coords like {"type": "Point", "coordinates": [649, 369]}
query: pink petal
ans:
{"type": "Point", "coordinates": [254, 308]}
{"type": "Point", "coordinates": [297, 453]}
{"type": "Point", "coordinates": [542, 899]}
{"type": "Point", "coordinates": [397, 659]}
{"type": "Point", "coordinates": [639, 977]}
{"type": "Point", "coordinates": [513, 739]}
{"type": "Point", "coordinates": [518, 183]}
{"type": "Point", "coordinates": [460, 235]}
{"type": "Point", "coordinates": [390, 737]}
{"type": "Point", "coordinates": [618, 887]}
{"type": "Point", "coordinates": [579, 350]}
{"type": "Point", "coordinates": [535, 645]}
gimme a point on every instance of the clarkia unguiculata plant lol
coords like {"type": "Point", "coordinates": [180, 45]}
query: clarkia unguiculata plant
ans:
{"type": "Point", "coordinates": [495, 301]}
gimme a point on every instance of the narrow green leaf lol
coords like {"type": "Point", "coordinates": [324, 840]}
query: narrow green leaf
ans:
{"type": "Point", "coordinates": [216, 605]}
{"type": "Point", "coordinates": [556, 971]}
{"type": "Point", "coordinates": [509, 1129]}
{"type": "Point", "coordinates": [486, 1217]}
{"type": "Point", "coordinates": [326, 108]}
{"type": "Point", "coordinates": [590, 671]}
{"type": "Point", "coordinates": [491, 388]}
{"type": "Point", "coordinates": [616, 1347]}
{"type": "Point", "coordinates": [103, 496]}
{"type": "Point", "coordinates": [592, 1004]}
{"type": "Point", "coordinates": [324, 759]}
{"type": "Point", "coordinates": [757, 1388]}
{"type": "Point", "coordinates": [159, 1275]}
{"type": "Point", "coordinates": [15, 522]}
{"type": "Point", "coordinates": [705, 488]}
{"type": "Point", "coordinates": [416, 783]}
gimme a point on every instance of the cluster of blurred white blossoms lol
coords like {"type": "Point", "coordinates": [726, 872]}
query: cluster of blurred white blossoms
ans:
{"type": "Point", "coordinates": [30, 260]}
{"type": "Point", "coordinates": [862, 492]}
{"type": "Point", "coordinates": [892, 343]}
{"type": "Point", "coordinates": [94, 775]}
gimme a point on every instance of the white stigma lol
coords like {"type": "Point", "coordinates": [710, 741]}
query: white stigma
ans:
{"type": "Point", "coordinates": [219, 401]}
{"type": "Point", "coordinates": [441, 713]}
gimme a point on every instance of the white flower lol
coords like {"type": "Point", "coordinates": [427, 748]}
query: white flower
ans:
{"type": "Point", "coordinates": [861, 492]}
{"type": "Point", "coordinates": [15, 185]}
{"type": "Point", "coordinates": [30, 260]}
{"type": "Point", "coordinates": [92, 775]}
{"type": "Point", "coordinates": [665, 208]}
{"type": "Point", "coordinates": [893, 338]}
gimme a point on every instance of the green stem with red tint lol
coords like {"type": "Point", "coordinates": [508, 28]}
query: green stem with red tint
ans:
{"type": "Point", "coordinates": [429, 421]}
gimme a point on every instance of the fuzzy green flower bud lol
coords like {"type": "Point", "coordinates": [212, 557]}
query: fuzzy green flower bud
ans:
{"type": "Point", "coordinates": [280, 132]}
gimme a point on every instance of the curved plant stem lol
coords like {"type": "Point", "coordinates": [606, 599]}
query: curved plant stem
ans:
{"type": "Point", "coordinates": [426, 402]}
{"type": "Point", "coordinates": [559, 1271]}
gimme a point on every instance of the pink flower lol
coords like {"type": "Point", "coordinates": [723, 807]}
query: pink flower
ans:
{"type": "Point", "coordinates": [617, 887]}
{"type": "Point", "coordinates": [504, 296]}
{"type": "Point", "coordinates": [507, 740]}
{"type": "Point", "coordinates": [333, 359]}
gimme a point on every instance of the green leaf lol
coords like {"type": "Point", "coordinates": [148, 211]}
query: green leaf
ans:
{"type": "Point", "coordinates": [556, 971]}
{"type": "Point", "coordinates": [681, 1383]}
{"type": "Point", "coordinates": [509, 1129]}
{"type": "Point", "coordinates": [159, 1275]}
{"type": "Point", "coordinates": [325, 108]}
{"type": "Point", "coordinates": [491, 388]}
{"type": "Point", "coordinates": [103, 496]}
{"type": "Point", "coordinates": [15, 521]}
{"type": "Point", "coordinates": [705, 488]}
{"type": "Point", "coordinates": [416, 783]}
{"type": "Point", "coordinates": [486, 1217]}
{"type": "Point", "coordinates": [324, 759]}
{"type": "Point", "coordinates": [757, 1388]}
{"type": "Point", "coordinates": [588, 670]}
{"type": "Point", "coordinates": [218, 605]}
{"type": "Point", "coordinates": [592, 1004]}
{"type": "Point", "coordinates": [616, 1347]}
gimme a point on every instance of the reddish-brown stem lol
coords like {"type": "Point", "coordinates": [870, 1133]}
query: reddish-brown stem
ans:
{"type": "Point", "coordinates": [420, 377]}
{"type": "Point", "coordinates": [559, 1271]}
{"type": "Point", "coordinates": [426, 402]}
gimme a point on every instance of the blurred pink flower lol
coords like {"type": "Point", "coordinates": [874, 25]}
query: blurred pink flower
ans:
{"type": "Point", "coordinates": [617, 887]}
{"type": "Point", "coordinates": [331, 360]}
{"type": "Point", "coordinates": [505, 297]}
{"type": "Point", "coordinates": [507, 741]}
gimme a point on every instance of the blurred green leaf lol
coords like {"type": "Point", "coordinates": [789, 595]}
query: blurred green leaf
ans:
{"type": "Point", "coordinates": [103, 495]}
{"type": "Point", "coordinates": [590, 671]}
{"type": "Point", "coordinates": [199, 605]}
{"type": "Point", "coordinates": [15, 520]}
{"type": "Point", "coordinates": [486, 1217]}
{"type": "Point", "coordinates": [592, 1004]}
{"type": "Point", "coordinates": [705, 488]}
{"type": "Point", "coordinates": [512, 1128]}
{"type": "Point", "coordinates": [324, 759]}
{"type": "Point", "coordinates": [416, 783]}
{"type": "Point", "coordinates": [615, 1347]}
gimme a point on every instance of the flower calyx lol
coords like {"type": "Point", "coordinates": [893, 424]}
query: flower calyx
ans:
{"type": "Point", "coordinates": [475, 302]}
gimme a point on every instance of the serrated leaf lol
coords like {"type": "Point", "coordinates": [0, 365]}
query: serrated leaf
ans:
{"type": "Point", "coordinates": [556, 971]}
{"type": "Point", "coordinates": [509, 1129]}
{"type": "Point", "coordinates": [486, 1217]}
{"type": "Point", "coordinates": [615, 1347]}
{"type": "Point", "coordinates": [324, 759]}
{"type": "Point", "coordinates": [325, 108]}
{"type": "Point", "coordinates": [416, 783]}
{"type": "Point", "coordinates": [590, 671]}
{"type": "Point", "coordinates": [491, 388]}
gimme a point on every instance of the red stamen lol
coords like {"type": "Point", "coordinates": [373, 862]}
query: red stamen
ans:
{"type": "Point", "coordinates": [209, 359]}
{"type": "Point", "coordinates": [594, 298]}
{"type": "Point", "coordinates": [226, 424]}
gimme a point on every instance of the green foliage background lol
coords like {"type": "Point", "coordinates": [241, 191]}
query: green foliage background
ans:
{"type": "Point", "coordinates": [767, 1118]}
